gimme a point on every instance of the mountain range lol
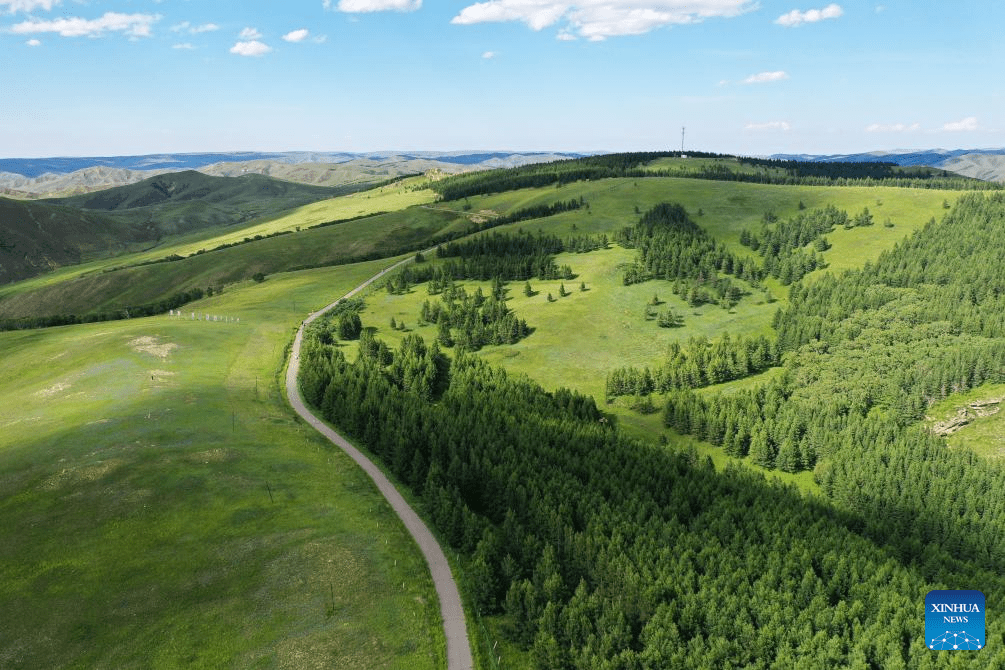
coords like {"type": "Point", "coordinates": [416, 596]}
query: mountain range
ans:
{"type": "Point", "coordinates": [986, 164]}
{"type": "Point", "coordinates": [61, 176]}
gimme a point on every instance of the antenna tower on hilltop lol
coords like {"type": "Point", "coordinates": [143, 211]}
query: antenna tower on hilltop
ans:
{"type": "Point", "coordinates": [682, 140]}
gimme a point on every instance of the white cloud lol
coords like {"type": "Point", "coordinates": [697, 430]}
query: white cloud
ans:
{"type": "Point", "coordinates": [892, 128]}
{"type": "Point", "coordinates": [297, 35]}
{"type": "Point", "coordinates": [250, 48]}
{"type": "Point", "coordinates": [359, 6]}
{"type": "Point", "coordinates": [185, 45]}
{"type": "Point", "coordinates": [34, 43]}
{"type": "Point", "coordinates": [599, 19]}
{"type": "Point", "coordinates": [770, 125]}
{"type": "Point", "coordinates": [489, 54]}
{"type": "Point", "coordinates": [326, 4]}
{"type": "Point", "coordinates": [320, 39]}
{"type": "Point", "coordinates": [766, 77]}
{"type": "Point", "coordinates": [969, 123]}
{"type": "Point", "coordinates": [15, 6]}
{"type": "Point", "coordinates": [134, 25]}
{"type": "Point", "coordinates": [250, 34]}
{"type": "Point", "coordinates": [187, 27]}
{"type": "Point", "coordinates": [565, 36]}
{"type": "Point", "coordinates": [797, 18]}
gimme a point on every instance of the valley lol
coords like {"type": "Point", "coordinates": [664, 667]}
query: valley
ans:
{"type": "Point", "coordinates": [583, 524]}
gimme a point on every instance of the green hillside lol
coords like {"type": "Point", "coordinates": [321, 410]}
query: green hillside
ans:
{"type": "Point", "coordinates": [180, 202]}
{"type": "Point", "coordinates": [160, 506]}
{"type": "Point", "coordinates": [36, 238]}
{"type": "Point", "coordinates": [115, 288]}
{"type": "Point", "coordinates": [583, 393]}
{"type": "Point", "coordinates": [39, 237]}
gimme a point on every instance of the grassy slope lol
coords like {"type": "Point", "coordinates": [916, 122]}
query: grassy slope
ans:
{"type": "Point", "coordinates": [579, 338]}
{"type": "Point", "coordinates": [167, 511]}
{"type": "Point", "coordinates": [103, 287]}
{"type": "Point", "coordinates": [36, 237]}
{"type": "Point", "coordinates": [386, 199]}
{"type": "Point", "coordinates": [179, 202]}
{"type": "Point", "coordinates": [984, 435]}
{"type": "Point", "coordinates": [210, 553]}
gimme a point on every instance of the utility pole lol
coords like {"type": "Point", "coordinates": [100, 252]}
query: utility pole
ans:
{"type": "Point", "coordinates": [682, 140]}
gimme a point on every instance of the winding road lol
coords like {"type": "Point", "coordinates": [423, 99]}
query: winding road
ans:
{"type": "Point", "coordinates": [454, 628]}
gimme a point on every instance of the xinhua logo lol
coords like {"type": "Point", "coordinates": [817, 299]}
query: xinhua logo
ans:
{"type": "Point", "coordinates": [954, 620]}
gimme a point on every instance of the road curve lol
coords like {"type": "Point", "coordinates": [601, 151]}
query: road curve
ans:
{"type": "Point", "coordinates": [454, 627]}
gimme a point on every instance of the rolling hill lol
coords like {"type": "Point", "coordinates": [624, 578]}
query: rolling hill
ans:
{"type": "Point", "coordinates": [58, 177]}
{"type": "Point", "coordinates": [38, 237]}
{"type": "Point", "coordinates": [986, 164]}
{"type": "Point", "coordinates": [190, 186]}
{"type": "Point", "coordinates": [587, 524]}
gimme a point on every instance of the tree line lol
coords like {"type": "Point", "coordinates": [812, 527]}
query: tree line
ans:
{"type": "Point", "coordinates": [630, 165]}
{"type": "Point", "coordinates": [695, 364]}
{"type": "Point", "coordinates": [174, 301]}
{"type": "Point", "coordinates": [599, 551]}
{"type": "Point", "coordinates": [673, 247]}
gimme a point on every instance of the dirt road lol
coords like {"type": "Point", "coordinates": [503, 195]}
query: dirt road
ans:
{"type": "Point", "coordinates": [458, 647]}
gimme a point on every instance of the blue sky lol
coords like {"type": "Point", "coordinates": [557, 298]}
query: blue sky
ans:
{"type": "Point", "coordinates": [93, 77]}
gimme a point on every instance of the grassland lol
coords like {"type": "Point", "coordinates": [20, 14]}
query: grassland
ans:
{"type": "Point", "coordinates": [389, 198]}
{"type": "Point", "coordinates": [579, 338]}
{"type": "Point", "coordinates": [984, 435]}
{"type": "Point", "coordinates": [135, 285]}
{"type": "Point", "coordinates": [160, 506]}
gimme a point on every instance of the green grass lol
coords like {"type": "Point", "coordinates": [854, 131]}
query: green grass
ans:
{"type": "Point", "coordinates": [97, 291]}
{"type": "Point", "coordinates": [729, 207]}
{"type": "Point", "coordinates": [578, 339]}
{"type": "Point", "coordinates": [983, 435]}
{"type": "Point", "coordinates": [160, 506]}
{"type": "Point", "coordinates": [390, 198]}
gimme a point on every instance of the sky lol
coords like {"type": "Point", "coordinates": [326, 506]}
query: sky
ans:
{"type": "Point", "coordinates": [751, 77]}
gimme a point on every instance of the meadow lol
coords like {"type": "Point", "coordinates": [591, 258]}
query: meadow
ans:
{"type": "Point", "coordinates": [160, 505]}
{"type": "Point", "coordinates": [390, 198]}
{"type": "Point", "coordinates": [378, 235]}
{"type": "Point", "coordinates": [577, 339]}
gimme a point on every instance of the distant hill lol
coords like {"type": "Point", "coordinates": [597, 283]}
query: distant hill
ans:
{"type": "Point", "coordinates": [990, 167]}
{"type": "Point", "coordinates": [56, 177]}
{"type": "Point", "coordinates": [359, 171]}
{"type": "Point", "coordinates": [986, 164]}
{"type": "Point", "coordinates": [180, 202]}
{"type": "Point", "coordinates": [37, 237]}
{"type": "Point", "coordinates": [53, 185]}
{"type": "Point", "coordinates": [178, 187]}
